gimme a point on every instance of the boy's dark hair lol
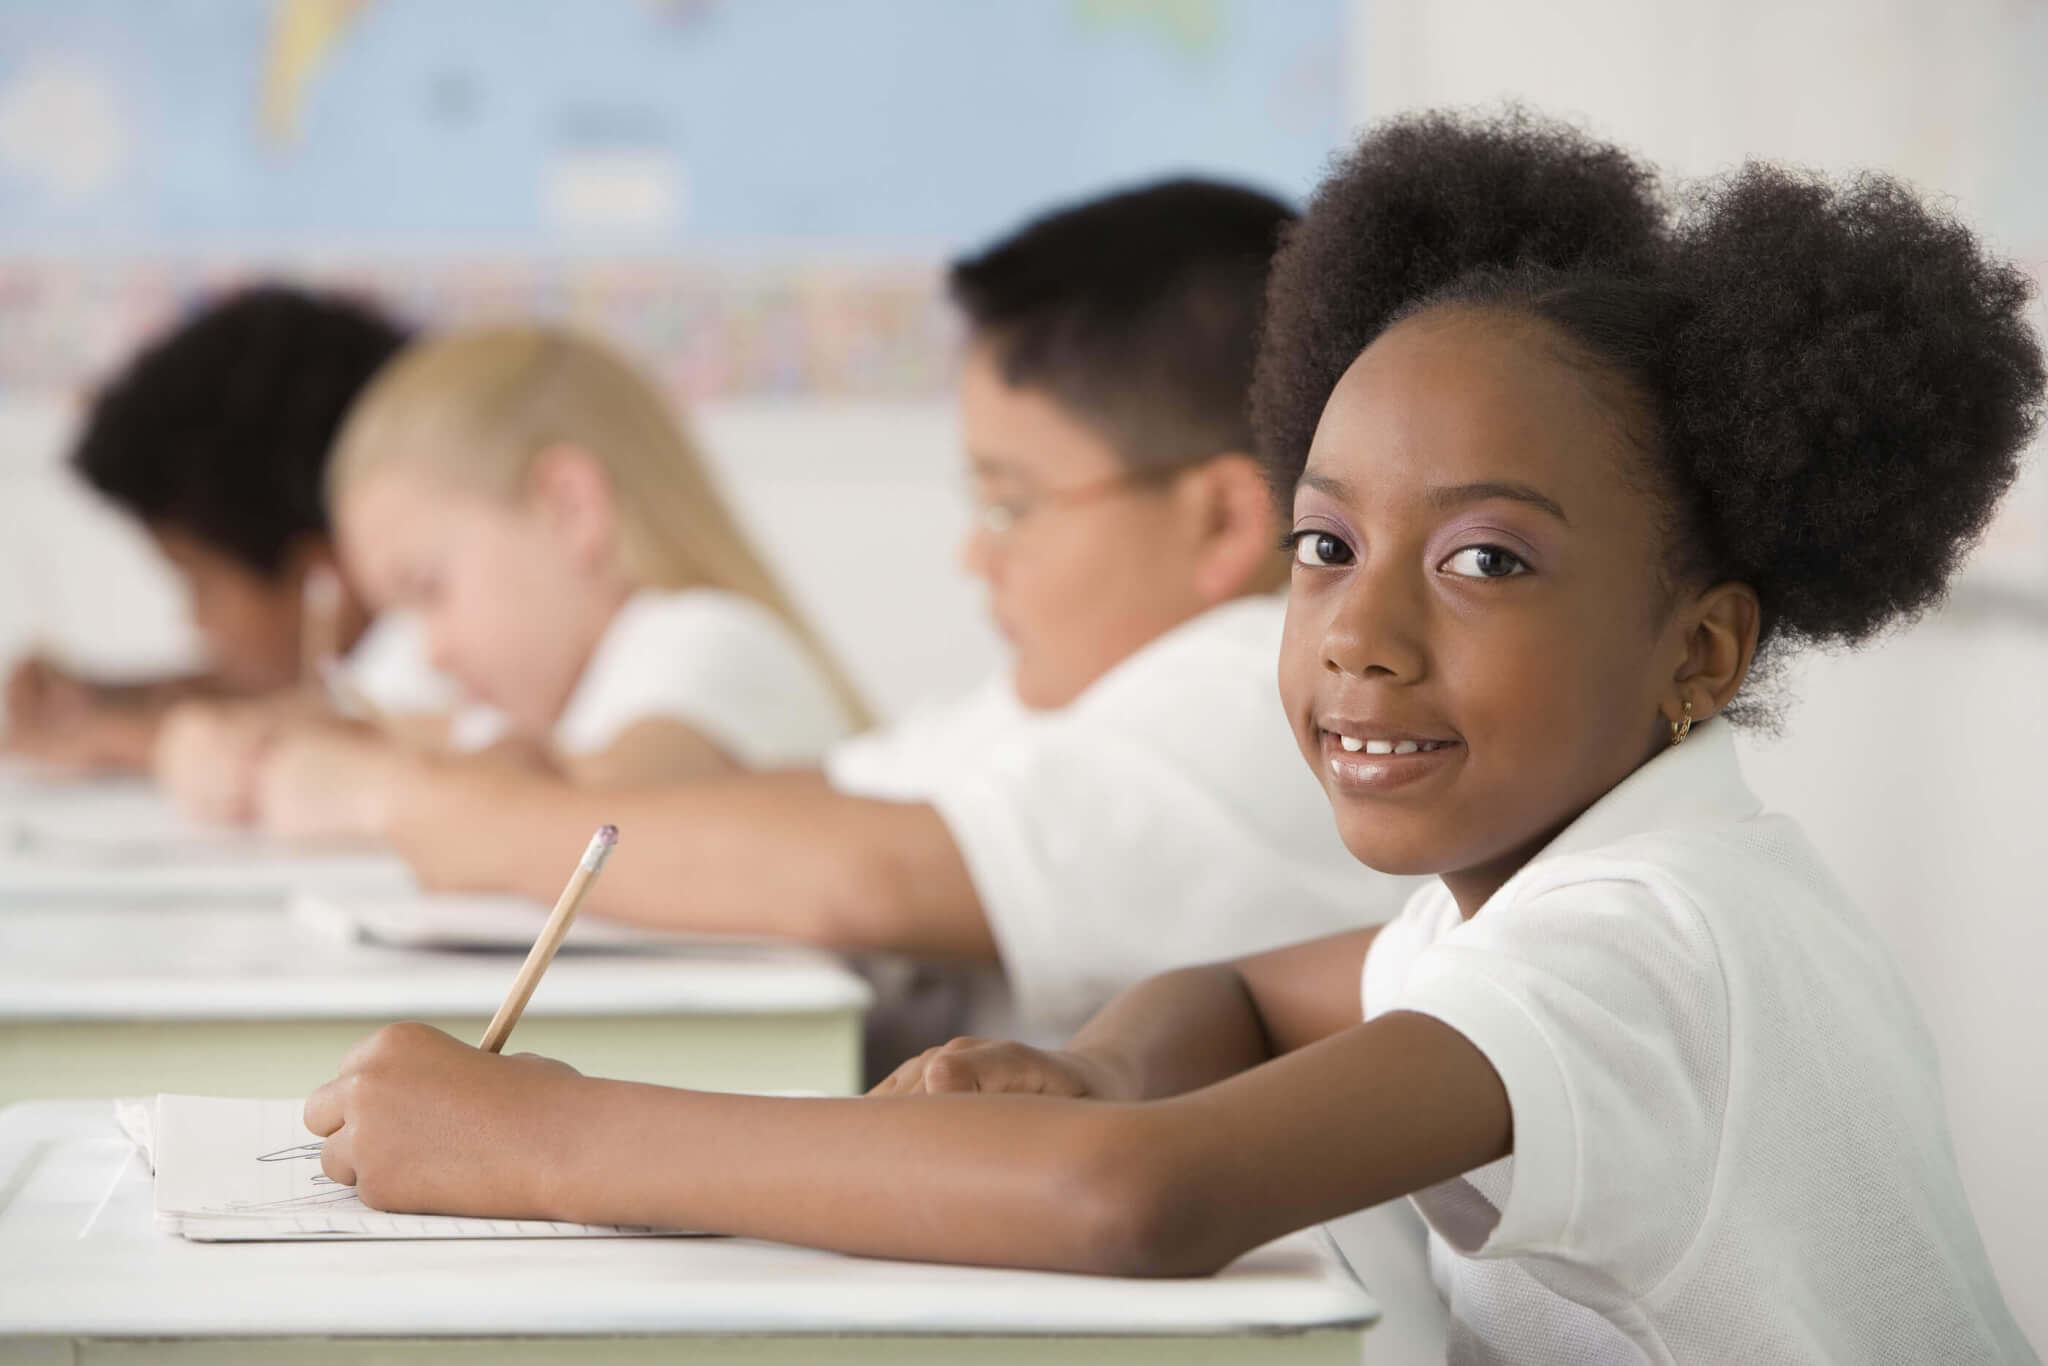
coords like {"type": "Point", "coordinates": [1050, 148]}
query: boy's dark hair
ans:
{"type": "Point", "coordinates": [1834, 385]}
{"type": "Point", "coordinates": [1138, 312]}
{"type": "Point", "coordinates": [220, 428]}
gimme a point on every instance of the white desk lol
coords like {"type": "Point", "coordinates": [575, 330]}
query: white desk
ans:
{"type": "Point", "coordinates": [85, 1278]}
{"type": "Point", "coordinates": [119, 837]}
{"type": "Point", "coordinates": [99, 1000]}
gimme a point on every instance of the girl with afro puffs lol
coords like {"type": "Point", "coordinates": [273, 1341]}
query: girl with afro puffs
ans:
{"type": "Point", "coordinates": [1649, 1077]}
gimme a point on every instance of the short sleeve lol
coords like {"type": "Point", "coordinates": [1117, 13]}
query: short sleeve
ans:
{"type": "Point", "coordinates": [719, 663]}
{"type": "Point", "coordinates": [1599, 1001]}
{"type": "Point", "coordinates": [390, 665]}
{"type": "Point", "coordinates": [1163, 821]}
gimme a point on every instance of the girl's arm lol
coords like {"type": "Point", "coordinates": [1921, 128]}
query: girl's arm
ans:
{"type": "Point", "coordinates": [1172, 1033]}
{"type": "Point", "coordinates": [420, 1122]}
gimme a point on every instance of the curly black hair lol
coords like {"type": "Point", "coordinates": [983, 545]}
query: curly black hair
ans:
{"type": "Point", "coordinates": [220, 429]}
{"type": "Point", "coordinates": [1420, 203]}
{"type": "Point", "coordinates": [1838, 381]}
{"type": "Point", "coordinates": [1137, 311]}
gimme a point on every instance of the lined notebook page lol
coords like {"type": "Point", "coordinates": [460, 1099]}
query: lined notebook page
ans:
{"type": "Point", "coordinates": [249, 1171]}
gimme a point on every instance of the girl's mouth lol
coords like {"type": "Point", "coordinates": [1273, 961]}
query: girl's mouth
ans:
{"type": "Point", "coordinates": [1373, 760]}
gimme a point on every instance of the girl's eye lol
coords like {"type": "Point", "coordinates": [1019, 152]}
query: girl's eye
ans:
{"type": "Point", "coordinates": [1486, 562]}
{"type": "Point", "coordinates": [1319, 549]}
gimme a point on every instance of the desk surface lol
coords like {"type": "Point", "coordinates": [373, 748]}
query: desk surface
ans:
{"type": "Point", "coordinates": [118, 836]}
{"type": "Point", "coordinates": [85, 960]}
{"type": "Point", "coordinates": [79, 1257]}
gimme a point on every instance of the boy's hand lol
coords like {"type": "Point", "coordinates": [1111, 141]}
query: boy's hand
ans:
{"type": "Point", "coordinates": [327, 782]}
{"type": "Point", "coordinates": [63, 722]}
{"type": "Point", "coordinates": [422, 1123]}
{"type": "Point", "coordinates": [978, 1065]}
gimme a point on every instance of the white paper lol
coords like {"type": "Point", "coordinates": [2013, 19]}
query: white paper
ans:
{"type": "Point", "coordinates": [466, 921]}
{"type": "Point", "coordinates": [249, 1171]}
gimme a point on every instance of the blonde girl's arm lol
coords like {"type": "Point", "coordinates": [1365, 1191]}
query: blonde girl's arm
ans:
{"type": "Point", "coordinates": [422, 1122]}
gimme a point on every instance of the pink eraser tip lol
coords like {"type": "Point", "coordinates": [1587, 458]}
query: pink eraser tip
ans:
{"type": "Point", "coordinates": [608, 834]}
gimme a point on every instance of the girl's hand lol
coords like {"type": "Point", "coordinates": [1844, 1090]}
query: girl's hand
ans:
{"type": "Point", "coordinates": [208, 756]}
{"type": "Point", "coordinates": [328, 782]}
{"type": "Point", "coordinates": [422, 1123]}
{"type": "Point", "coordinates": [978, 1065]}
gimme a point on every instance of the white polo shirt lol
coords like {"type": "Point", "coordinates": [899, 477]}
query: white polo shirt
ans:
{"type": "Point", "coordinates": [1163, 818]}
{"type": "Point", "coordinates": [1729, 1141]}
{"type": "Point", "coordinates": [718, 662]}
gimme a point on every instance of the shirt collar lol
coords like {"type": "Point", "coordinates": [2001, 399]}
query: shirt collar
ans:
{"type": "Point", "coordinates": [1695, 783]}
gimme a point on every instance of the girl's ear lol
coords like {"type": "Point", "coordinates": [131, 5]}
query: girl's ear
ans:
{"type": "Point", "coordinates": [1238, 529]}
{"type": "Point", "coordinates": [571, 491]}
{"type": "Point", "coordinates": [1720, 631]}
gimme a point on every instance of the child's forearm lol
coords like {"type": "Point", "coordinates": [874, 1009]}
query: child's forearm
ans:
{"type": "Point", "coordinates": [1171, 1187]}
{"type": "Point", "coordinates": [777, 854]}
{"type": "Point", "coordinates": [1173, 1033]}
{"type": "Point", "coordinates": [998, 1180]}
{"type": "Point", "coordinates": [1183, 1030]}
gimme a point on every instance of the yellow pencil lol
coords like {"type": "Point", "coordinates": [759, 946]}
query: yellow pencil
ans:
{"type": "Point", "coordinates": [551, 935]}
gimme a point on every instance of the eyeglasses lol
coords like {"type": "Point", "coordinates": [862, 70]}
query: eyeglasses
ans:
{"type": "Point", "coordinates": [1003, 516]}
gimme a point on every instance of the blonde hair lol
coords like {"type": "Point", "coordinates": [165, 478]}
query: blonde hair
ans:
{"type": "Point", "coordinates": [475, 408]}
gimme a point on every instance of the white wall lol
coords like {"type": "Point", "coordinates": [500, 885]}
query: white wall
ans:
{"type": "Point", "coordinates": [1916, 765]}
{"type": "Point", "coordinates": [858, 506]}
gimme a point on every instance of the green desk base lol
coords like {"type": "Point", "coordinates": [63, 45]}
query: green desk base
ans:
{"type": "Point", "coordinates": [83, 1059]}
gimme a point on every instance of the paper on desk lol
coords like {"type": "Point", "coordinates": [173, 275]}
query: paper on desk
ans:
{"type": "Point", "coordinates": [423, 920]}
{"type": "Point", "coordinates": [249, 1171]}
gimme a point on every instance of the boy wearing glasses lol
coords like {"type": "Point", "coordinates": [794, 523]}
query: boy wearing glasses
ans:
{"type": "Point", "coordinates": [1127, 798]}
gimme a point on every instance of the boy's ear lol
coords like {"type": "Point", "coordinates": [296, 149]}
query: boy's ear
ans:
{"type": "Point", "coordinates": [1239, 529]}
{"type": "Point", "coordinates": [569, 487]}
{"type": "Point", "coordinates": [1719, 639]}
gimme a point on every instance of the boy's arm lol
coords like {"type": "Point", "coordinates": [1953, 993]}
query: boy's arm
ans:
{"type": "Point", "coordinates": [421, 1122]}
{"type": "Point", "coordinates": [778, 854]}
{"type": "Point", "coordinates": [73, 723]}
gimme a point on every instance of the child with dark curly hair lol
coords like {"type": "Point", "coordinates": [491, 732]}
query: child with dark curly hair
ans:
{"type": "Point", "coordinates": [1647, 1073]}
{"type": "Point", "coordinates": [215, 437]}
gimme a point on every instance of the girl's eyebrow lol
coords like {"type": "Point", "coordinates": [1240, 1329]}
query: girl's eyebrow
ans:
{"type": "Point", "coordinates": [1456, 495]}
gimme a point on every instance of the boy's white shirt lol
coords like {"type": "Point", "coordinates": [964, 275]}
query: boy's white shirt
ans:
{"type": "Point", "coordinates": [715, 661]}
{"type": "Point", "coordinates": [1162, 819]}
{"type": "Point", "coordinates": [1729, 1133]}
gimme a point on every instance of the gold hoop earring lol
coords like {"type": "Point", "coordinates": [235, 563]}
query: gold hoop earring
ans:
{"type": "Point", "coordinates": [1682, 727]}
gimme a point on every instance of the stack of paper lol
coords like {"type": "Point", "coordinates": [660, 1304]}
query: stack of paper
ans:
{"type": "Point", "coordinates": [249, 1171]}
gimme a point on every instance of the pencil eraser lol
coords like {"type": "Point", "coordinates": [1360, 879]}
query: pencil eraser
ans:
{"type": "Point", "coordinates": [608, 834]}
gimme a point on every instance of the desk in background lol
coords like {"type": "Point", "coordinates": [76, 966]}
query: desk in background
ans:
{"type": "Point", "coordinates": [101, 1000]}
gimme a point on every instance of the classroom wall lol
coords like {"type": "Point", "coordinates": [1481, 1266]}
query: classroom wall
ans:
{"type": "Point", "coordinates": [859, 505]}
{"type": "Point", "coordinates": [1916, 765]}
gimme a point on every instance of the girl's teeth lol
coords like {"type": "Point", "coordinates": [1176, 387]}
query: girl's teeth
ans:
{"type": "Point", "coordinates": [1353, 745]}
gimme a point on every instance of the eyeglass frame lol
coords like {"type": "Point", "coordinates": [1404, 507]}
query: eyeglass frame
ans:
{"type": "Point", "coordinates": [998, 520]}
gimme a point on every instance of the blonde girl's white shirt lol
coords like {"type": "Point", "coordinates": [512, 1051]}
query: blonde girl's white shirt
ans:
{"type": "Point", "coordinates": [718, 662]}
{"type": "Point", "coordinates": [1729, 1141]}
{"type": "Point", "coordinates": [1163, 818]}
{"type": "Point", "coordinates": [389, 666]}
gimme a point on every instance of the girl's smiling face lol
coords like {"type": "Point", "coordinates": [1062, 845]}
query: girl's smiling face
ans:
{"type": "Point", "coordinates": [1478, 589]}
